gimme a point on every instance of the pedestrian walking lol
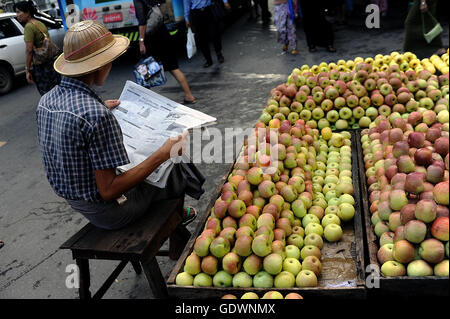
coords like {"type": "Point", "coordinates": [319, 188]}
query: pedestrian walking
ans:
{"type": "Point", "coordinates": [284, 19]}
{"type": "Point", "coordinates": [160, 46]}
{"type": "Point", "coordinates": [81, 142]}
{"type": "Point", "coordinates": [204, 16]}
{"type": "Point", "coordinates": [318, 31]}
{"type": "Point", "coordinates": [418, 18]}
{"type": "Point", "coordinates": [38, 71]}
{"type": "Point", "coordinates": [265, 13]}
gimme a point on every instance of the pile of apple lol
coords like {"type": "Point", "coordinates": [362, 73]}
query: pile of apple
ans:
{"type": "Point", "coordinates": [267, 227]}
{"type": "Point", "coordinates": [407, 170]}
{"type": "Point", "coordinates": [273, 294]}
{"type": "Point", "coordinates": [353, 99]}
{"type": "Point", "coordinates": [406, 62]}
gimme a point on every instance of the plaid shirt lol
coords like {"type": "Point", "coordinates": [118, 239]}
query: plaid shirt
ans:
{"type": "Point", "coordinates": [77, 134]}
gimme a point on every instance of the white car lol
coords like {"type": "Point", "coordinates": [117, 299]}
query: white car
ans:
{"type": "Point", "coordinates": [12, 49]}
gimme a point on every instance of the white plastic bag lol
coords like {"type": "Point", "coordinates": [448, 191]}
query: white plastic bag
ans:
{"type": "Point", "coordinates": [190, 45]}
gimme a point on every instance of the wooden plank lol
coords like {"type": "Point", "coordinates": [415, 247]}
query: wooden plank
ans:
{"type": "Point", "coordinates": [404, 286]}
{"type": "Point", "coordinates": [132, 240]}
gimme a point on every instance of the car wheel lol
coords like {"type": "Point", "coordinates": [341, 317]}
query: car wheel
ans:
{"type": "Point", "coordinates": [6, 80]}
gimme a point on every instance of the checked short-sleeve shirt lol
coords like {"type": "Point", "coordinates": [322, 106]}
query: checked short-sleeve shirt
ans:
{"type": "Point", "coordinates": [77, 135]}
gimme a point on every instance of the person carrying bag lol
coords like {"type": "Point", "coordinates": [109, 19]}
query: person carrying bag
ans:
{"type": "Point", "coordinates": [40, 50]}
{"type": "Point", "coordinates": [155, 41]}
{"type": "Point", "coordinates": [422, 30]}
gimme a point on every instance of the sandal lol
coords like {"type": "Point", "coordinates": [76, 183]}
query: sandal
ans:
{"type": "Point", "coordinates": [190, 215]}
{"type": "Point", "coordinates": [285, 47]}
{"type": "Point", "coordinates": [187, 102]}
{"type": "Point", "coordinates": [331, 49]}
{"type": "Point", "coordinates": [294, 52]}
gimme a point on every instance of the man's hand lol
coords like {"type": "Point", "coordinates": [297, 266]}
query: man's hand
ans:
{"type": "Point", "coordinates": [188, 24]}
{"type": "Point", "coordinates": [112, 104]}
{"type": "Point", "coordinates": [142, 48]}
{"type": "Point", "coordinates": [227, 6]}
{"type": "Point", "coordinates": [29, 78]}
{"type": "Point", "coordinates": [423, 6]}
{"type": "Point", "coordinates": [174, 146]}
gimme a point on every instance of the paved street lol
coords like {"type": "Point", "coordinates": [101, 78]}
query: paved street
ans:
{"type": "Point", "coordinates": [34, 221]}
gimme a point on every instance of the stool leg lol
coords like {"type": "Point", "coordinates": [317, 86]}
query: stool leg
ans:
{"type": "Point", "coordinates": [85, 278]}
{"type": "Point", "coordinates": [155, 278]}
{"type": "Point", "coordinates": [137, 267]}
{"type": "Point", "coordinates": [177, 241]}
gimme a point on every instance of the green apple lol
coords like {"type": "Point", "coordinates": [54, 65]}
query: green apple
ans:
{"type": "Point", "coordinates": [292, 265]}
{"type": "Point", "coordinates": [333, 232]}
{"type": "Point", "coordinates": [284, 279]}
{"type": "Point", "coordinates": [306, 278]}
{"type": "Point", "coordinates": [310, 218]}
{"type": "Point", "coordinates": [346, 198]}
{"type": "Point", "coordinates": [346, 212]}
{"type": "Point", "coordinates": [202, 280]}
{"type": "Point", "coordinates": [222, 279]}
{"type": "Point", "coordinates": [330, 219]}
{"type": "Point", "coordinates": [250, 295]}
{"type": "Point", "coordinates": [242, 280]}
{"type": "Point", "coordinates": [292, 251]}
{"type": "Point", "coordinates": [313, 228]}
{"type": "Point", "coordinates": [393, 269]}
{"type": "Point", "coordinates": [184, 279]}
{"type": "Point", "coordinates": [273, 263]}
{"type": "Point", "coordinates": [263, 280]}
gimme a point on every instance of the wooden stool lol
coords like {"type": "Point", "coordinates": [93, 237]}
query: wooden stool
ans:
{"type": "Point", "coordinates": [138, 243]}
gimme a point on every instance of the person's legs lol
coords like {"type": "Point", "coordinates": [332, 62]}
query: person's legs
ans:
{"type": "Point", "coordinates": [200, 26]}
{"type": "Point", "coordinates": [181, 79]}
{"type": "Point", "coordinates": [280, 18]}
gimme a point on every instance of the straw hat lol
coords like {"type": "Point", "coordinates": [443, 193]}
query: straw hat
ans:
{"type": "Point", "coordinates": [88, 46]}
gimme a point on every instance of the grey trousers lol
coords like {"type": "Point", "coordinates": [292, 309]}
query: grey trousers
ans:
{"type": "Point", "coordinates": [111, 215]}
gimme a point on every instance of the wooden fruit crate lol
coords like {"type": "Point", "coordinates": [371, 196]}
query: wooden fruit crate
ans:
{"type": "Point", "coordinates": [400, 286]}
{"type": "Point", "coordinates": [343, 262]}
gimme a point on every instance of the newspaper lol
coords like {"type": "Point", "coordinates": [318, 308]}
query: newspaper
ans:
{"type": "Point", "coordinates": [147, 120]}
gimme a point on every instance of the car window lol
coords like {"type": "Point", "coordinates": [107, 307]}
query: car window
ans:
{"type": "Point", "coordinates": [8, 29]}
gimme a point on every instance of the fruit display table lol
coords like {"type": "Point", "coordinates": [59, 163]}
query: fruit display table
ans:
{"type": "Point", "coordinates": [402, 285]}
{"type": "Point", "coordinates": [343, 263]}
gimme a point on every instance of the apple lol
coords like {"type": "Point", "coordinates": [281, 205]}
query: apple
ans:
{"type": "Point", "coordinates": [293, 295]}
{"type": "Point", "coordinates": [284, 279]}
{"type": "Point", "coordinates": [242, 280]}
{"type": "Point", "coordinates": [201, 246]}
{"type": "Point", "coordinates": [262, 245]}
{"type": "Point", "coordinates": [432, 251]}
{"type": "Point", "coordinates": [306, 278]}
{"type": "Point", "coordinates": [346, 212]}
{"type": "Point", "coordinates": [442, 269]}
{"type": "Point", "coordinates": [272, 295]}
{"type": "Point", "coordinates": [237, 208]}
{"type": "Point", "coordinates": [333, 232]}
{"type": "Point", "coordinates": [403, 251]}
{"type": "Point", "coordinates": [273, 263]}
{"type": "Point", "coordinates": [296, 240]}
{"type": "Point", "coordinates": [231, 263]}
{"type": "Point", "coordinates": [415, 231]}
{"type": "Point", "coordinates": [313, 264]}
{"type": "Point", "coordinates": [440, 193]}
{"type": "Point", "coordinates": [249, 295]}
{"type": "Point", "coordinates": [252, 264]}
{"type": "Point", "coordinates": [219, 247]}
{"type": "Point", "coordinates": [393, 269]}
{"type": "Point", "coordinates": [310, 250]}
{"type": "Point", "coordinates": [184, 279]}
{"type": "Point", "coordinates": [385, 253]}
{"type": "Point", "coordinates": [426, 210]}
{"type": "Point", "coordinates": [222, 279]}
{"type": "Point", "coordinates": [202, 280]}
{"type": "Point", "coordinates": [209, 265]}
{"type": "Point", "coordinates": [419, 268]}
{"type": "Point", "coordinates": [440, 228]}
